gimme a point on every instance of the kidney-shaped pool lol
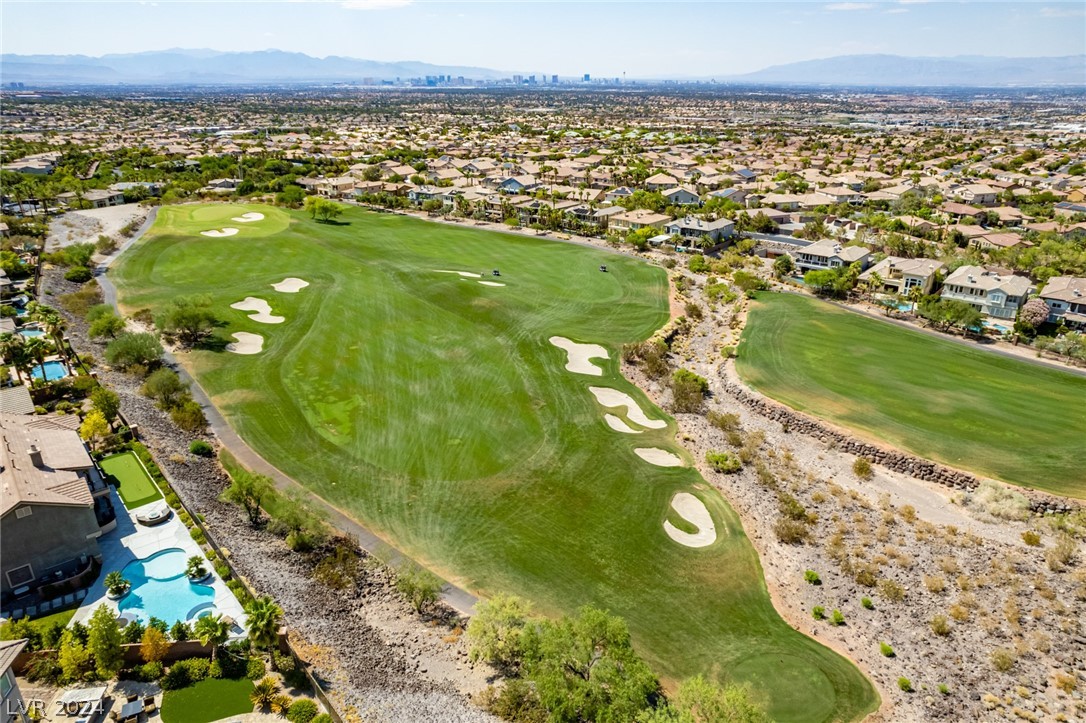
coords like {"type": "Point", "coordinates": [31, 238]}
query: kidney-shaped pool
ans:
{"type": "Point", "coordinates": [161, 589]}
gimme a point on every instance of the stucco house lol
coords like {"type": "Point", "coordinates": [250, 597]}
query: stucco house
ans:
{"type": "Point", "coordinates": [830, 254]}
{"type": "Point", "coordinates": [12, 705]}
{"type": "Point", "coordinates": [900, 275]}
{"type": "Point", "coordinates": [54, 505]}
{"type": "Point", "coordinates": [682, 197]}
{"type": "Point", "coordinates": [637, 219]}
{"type": "Point", "coordinates": [1066, 299]}
{"type": "Point", "coordinates": [693, 228]}
{"type": "Point", "coordinates": [992, 293]}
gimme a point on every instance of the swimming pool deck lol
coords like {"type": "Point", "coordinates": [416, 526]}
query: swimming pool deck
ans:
{"type": "Point", "coordinates": [132, 541]}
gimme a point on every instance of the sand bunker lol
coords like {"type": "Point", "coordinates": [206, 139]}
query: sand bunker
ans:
{"type": "Point", "coordinates": [491, 283]}
{"type": "Point", "coordinates": [248, 217]}
{"type": "Point", "coordinates": [219, 232]}
{"type": "Point", "coordinates": [691, 509]}
{"type": "Point", "coordinates": [659, 457]}
{"type": "Point", "coordinates": [579, 355]}
{"type": "Point", "coordinates": [618, 425]}
{"type": "Point", "coordinates": [290, 285]}
{"type": "Point", "coordinates": [468, 274]}
{"type": "Point", "coordinates": [608, 397]}
{"type": "Point", "coordinates": [262, 308]}
{"type": "Point", "coordinates": [246, 343]}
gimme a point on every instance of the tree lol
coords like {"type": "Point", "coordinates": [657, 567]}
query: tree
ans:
{"type": "Point", "coordinates": [94, 428]}
{"type": "Point", "coordinates": [104, 642]}
{"type": "Point", "coordinates": [292, 196]}
{"type": "Point", "coordinates": [1034, 313]}
{"type": "Point", "coordinates": [585, 668]}
{"type": "Point", "coordinates": [189, 318]}
{"type": "Point", "coordinates": [706, 702]}
{"type": "Point", "coordinates": [13, 350]}
{"type": "Point", "coordinates": [213, 631]}
{"type": "Point", "coordinates": [165, 387]}
{"type": "Point", "coordinates": [265, 618]}
{"type": "Point", "coordinates": [153, 645]}
{"type": "Point", "coordinates": [73, 656]}
{"type": "Point", "coordinates": [688, 390]}
{"type": "Point", "coordinates": [420, 587]}
{"type": "Point", "coordinates": [322, 209]}
{"type": "Point", "coordinates": [106, 402]}
{"type": "Point", "coordinates": [783, 266]}
{"type": "Point", "coordinates": [496, 629]}
{"type": "Point", "coordinates": [248, 490]}
{"type": "Point", "coordinates": [106, 325]}
{"type": "Point", "coordinates": [37, 349]}
{"type": "Point", "coordinates": [133, 349]}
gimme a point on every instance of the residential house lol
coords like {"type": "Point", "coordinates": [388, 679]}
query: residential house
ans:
{"type": "Point", "coordinates": [1066, 299]}
{"type": "Point", "coordinates": [738, 195]}
{"type": "Point", "coordinates": [830, 254]}
{"type": "Point", "coordinates": [840, 194]}
{"type": "Point", "coordinates": [999, 241]}
{"type": "Point", "coordinates": [661, 182]}
{"type": "Point", "coordinates": [991, 292]}
{"type": "Point", "coordinates": [901, 275]}
{"type": "Point", "coordinates": [516, 184]}
{"type": "Point", "coordinates": [1067, 208]}
{"type": "Point", "coordinates": [637, 219]}
{"type": "Point", "coordinates": [222, 185]}
{"type": "Point", "coordinates": [54, 505]}
{"type": "Point", "coordinates": [681, 196]}
{"type": "Point", "coordinates": [959, 210]}
{"type": "Point", "coordinates": [917, 224]}
{"type": "Point", "coordinates": [618, 194]}
{"type": "Point", "coordinates": [101, 199]}
{"type": "Point", "coordinates": [12, 705]}
{"type": "Point", "coordinates": [339, 187]}
{"type": "Point", "coordinates": [693, 228]}
{"type": "Point", "coordinates": [980, 194]}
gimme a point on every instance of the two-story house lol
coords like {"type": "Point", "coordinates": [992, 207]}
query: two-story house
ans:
{"type": "Point", "coordinates": [681, 196]}
{"type": "Point", "coordinates": [900, 275]}
{"type": "Point", "coordinates": [691, 228]}
{"type": "Point", "coordinates": [992, 293]}
{"type": "Point", "coordinates": [54, 504]}
{"type": "Point", "coordinates": [637, 219]}
{"type": "Point", "coordinates": [1066, 299]}
{"type": "Point", "coordinates": [830, 254]}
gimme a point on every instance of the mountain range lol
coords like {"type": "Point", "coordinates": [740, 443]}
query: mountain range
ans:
{"type": "Point", "coordinates": [186, 67]}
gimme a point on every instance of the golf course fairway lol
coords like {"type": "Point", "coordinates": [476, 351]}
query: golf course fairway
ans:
{"type": "Point", "coordinates": [434, 409]}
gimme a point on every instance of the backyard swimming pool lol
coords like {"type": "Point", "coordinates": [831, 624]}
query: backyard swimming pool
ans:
{"type": "Point", "coordinates": [53, 370]}
{"type": "Point", "coordinates": [161, 589]}
{"type": "Point", "coordinates": [31, 333]}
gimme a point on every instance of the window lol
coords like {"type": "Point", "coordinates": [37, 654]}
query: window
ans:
{"type": "Point", "coordinates": [23, 512]}
{"type": "Point", "coordinates": [20, 575]}
{"type": "Point", "coordinates": [5, 684]}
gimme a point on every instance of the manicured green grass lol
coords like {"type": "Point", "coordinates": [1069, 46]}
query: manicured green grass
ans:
{"type": "Point", "coordinates": [966, 407]}
{"type": "Point", "coordinates": [209, 700]}
{"type": "Point", "coordinates": [133, 484]}
{"type": "Point", "coordinates": [434, 410]}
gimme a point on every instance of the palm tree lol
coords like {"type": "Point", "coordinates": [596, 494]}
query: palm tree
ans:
{"type": "Point", "coordinates": [13, 350]}
{"type": "Point", "coordinates": [265, 618]}
{"type": "Point", "coordinates": [212, 630]}
{"type": "Point", "coordinates": [264, 692]}
{"type": "Point", "coordinates": [36, 349]}
{"type": "Point", "coordinates": [54, 326]}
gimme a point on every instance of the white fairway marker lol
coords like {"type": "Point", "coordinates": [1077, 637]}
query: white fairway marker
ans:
{"type": "Point", "coordinates": [693, 510]}
{"type": "Point", "coordinates": [290, 285]}
{"type": "Point", "coordinates": [219, 232]}
{"type": "Point", "coordinates": [491, 283]}
{"type": "Point", "coordinates": [608, 397]}
{"type": "Point", "coordinates": [261, 308]}
{"type": "Point", "coordinates": [578, 355]}
{"type": "Point", "coordinates": [248, 217]}
{"type": "Point", "coordinates": [659, 457]}
{"type": "Point", "coordinates": [618, 425]}
{"type": "Point", "coordinates": [467, 274]}
{"type": "Point", "coordinates": [246, 343]}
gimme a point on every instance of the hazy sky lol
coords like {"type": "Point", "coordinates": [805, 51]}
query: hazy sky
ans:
{"type": "Point", "coordinates": [644, 39]}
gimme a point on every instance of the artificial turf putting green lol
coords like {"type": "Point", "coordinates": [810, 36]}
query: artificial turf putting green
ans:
{"type": "Point", "coordinates": [133, 484]}
{"type": "Point", "coordinates": [209, 700]}
{"type": "Point", "coordinates": [1001, 417]}
{"type": "Point", "coordinates": [434, 410]}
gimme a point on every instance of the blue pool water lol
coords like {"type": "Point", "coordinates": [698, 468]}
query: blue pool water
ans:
{"type": "Point", "coordinates": [161, 589]}
{"type": "Point", "coordinates": [53, 370]}
{"type": "Point", "coordinates": [31, 333]}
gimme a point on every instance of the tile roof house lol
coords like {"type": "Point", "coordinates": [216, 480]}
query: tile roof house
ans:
{"type": "Point", "coordinates": [661, 182]}
{"type": "Point", "coordinates": [901, 275]}
{"type": "Point", "coordinates": [830, 254]}
{"type": "Point", "coordinates": [1066, 299]}
{"type": "Point", "coordinates": [638, 219]}
{"type": "Point", "coordinates": [691, 227]}
{"type": "Point", "coordinates": [54, 504]}
{"type": "Point", "coordinates": [681, 196]}
{"type": "Point", "coordinates": [990, 292]}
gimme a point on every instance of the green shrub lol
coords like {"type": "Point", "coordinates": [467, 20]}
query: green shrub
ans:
{"type": "Point", "coordinates": [180, 631]}
{"type": "Point", "coordinates": [812, 577]}
{"type": "Point", "coordinates": [302, 710]}
{"type": "Point", "coordinates": [818, 612]}
{"type": "Point", "coordinates": [837, 618]}
{"type": "Point", "coordinates": [940, 625]}
{"type": "Point", "coordinates": [905, 685]}
{"type": "Point", "coordinates": [944, 689]}
{"type": "Point", "coordinates": [891, 590]}
{"type": "Point", "coordinates": [322, 718]}
{"type": "Point", "coordinates": [886, 650]}
{"type": "Point", "coordinates": [255, 669]}
{"type": "Point", "coordinates": [78, 274]}
{"type": "Point", "coordinates": [173, 501]}
{"type": "Point", "coordinates": [198, 536]}
{"type": "Point", "coordinates": [151, 672]}
{"type": "Point", "coordinates": [724, 462]}
{"type": "Point", "coordinates": [222, 570]}
{"type": "Point", "coordinates": [214, 670]}
{"type": "Point", "coordinates": [201, 448]}
{"type": "Point", "coordinates": [791, 532]}
{"type": "Point", "coordinates": [867, 603]}
{"type": "Point", "coordinates": [688, 391]}
{"type": "Point", "coordinates": [185, 672]}
{"type": "Point", "coordinates": [1031, 538]}
{"type": "Point", "coordinates": [723, 422]}
{"type": "Point", "coordinates": [189, 416]}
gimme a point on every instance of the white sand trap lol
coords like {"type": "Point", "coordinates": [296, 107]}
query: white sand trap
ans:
{"type": "Point", "coordinates": [579, 355]}
{"type": "Point", "coordinates": [262, 308]}
{"type": "Point", "coordinates": [290, 285]}
{"type": "Point", "coordinates": [468, 274]}
{"type": "Point", "coordinates": [219, 232]}
{"type": "Point", "coordinates": [659, 457]}
{"type": "Point", "coordinates": [248, 217]}
{"type": "Point", "coordinates": [618, 425]}
{"type": "Point", "coordinates": [491, 283]}
{"type": "Point", "coordinates": [608, 397]}
{"type": "Point", "coordinates": [691, 509]}
{"type": "Point", "coordinates": [246, 343]}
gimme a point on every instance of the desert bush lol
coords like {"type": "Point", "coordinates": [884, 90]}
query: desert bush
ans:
{"type": "Point", "coordinates": [837, 618]}
{"type": "Point", "coordinates": [867, 603]}
{"type": "Point", "coordinates": [1003, 659]}
{"type": "Point", "coordinates": [905, 685]}
{"type": "Point", "coordinates": [78, 274]}
{"type": "Point", "coordinates": [1031, 538]}
{"type": "Point", "coordinates": [818, 612]}
{"type": "Point", "coordinates": [201, 448]}
{"type": "Point", "coordinates": [791, 532]}
{"type": "Point", "coordinates": [999, 501]}
{"type": "Point", "coordinates": [724, 462]}
{"type": "Point", "coordinates": [419, 587]}
{"type": "Point", "coordinates": [1066, 683]}
{"type": "Point", "coordinates": [723, 421]}
{"type": "Point", "coordinates": [688, 391]}
{"type": "Point", "coordinates": [935, 583]}
{"type": "Point", "coordinates": [812, 577]}
{"type": "Point", "coordinates": [1062, 553]}
{"type": "Point", "coordinates": [862, 468]}
{"type": "Point", "coordinates": [940, 625]}
{"type": "Point", "coordinates": [189, 416]}
{"type": "Point", "coordinates": [891, 590]}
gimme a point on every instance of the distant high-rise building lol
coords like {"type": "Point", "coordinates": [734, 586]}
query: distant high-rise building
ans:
{"type": "Point", "coordinates": [587, 77]}
{"type": "Point", "coordinates": [531, 79]}
{"type": "Point", "coordinates": [518, 79]}
{"type": "Point", "coordinates": [554, 79]}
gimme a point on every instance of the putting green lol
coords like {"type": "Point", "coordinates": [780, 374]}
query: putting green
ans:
{"type": "Point", "coordinates": [133, 484]}
{"type": "Point", "coordinates": [966, 407]}
{"type": "Point", "coordinates": [435, 410]}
